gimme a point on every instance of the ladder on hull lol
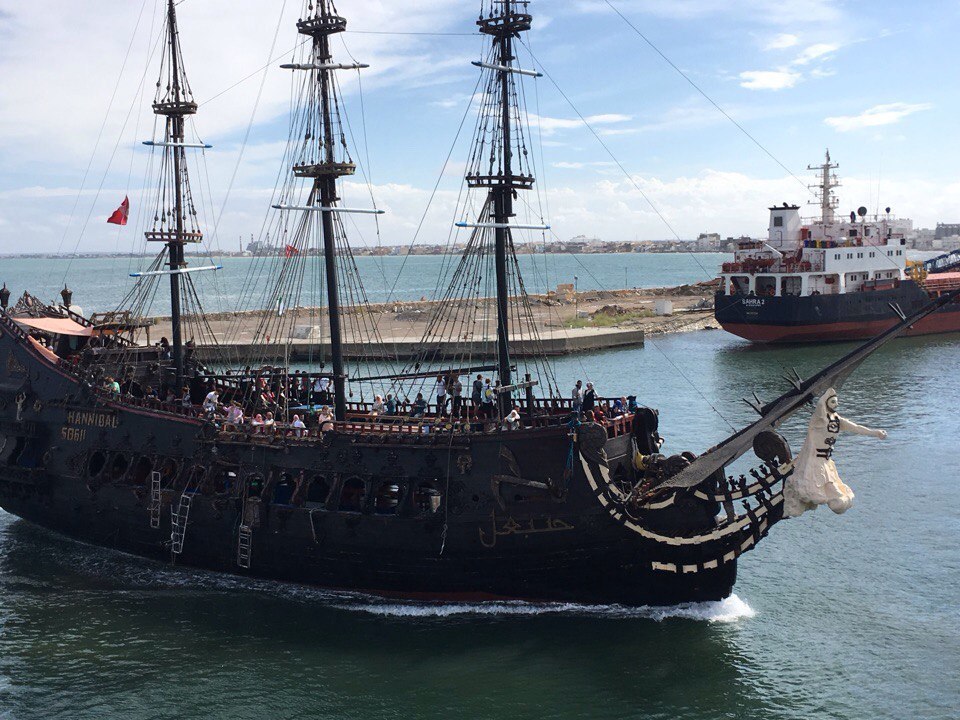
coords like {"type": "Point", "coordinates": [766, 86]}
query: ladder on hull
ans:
{"type": "Point", "coordinates": [244, 546]}
{"type": "Point", "coordinates": [155, 500]}
{"type": "Point", "coordinates": [178, 524]}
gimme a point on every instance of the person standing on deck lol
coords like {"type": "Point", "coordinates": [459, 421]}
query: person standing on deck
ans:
{"type": "Point", "coordinates": [486, 409]}
{"type": "Point", "coordinates": [477, 395]}
{"type": "Point", "coordinates": [589, 399]}
{"type": "Point", "coordinates": [577, 397]}
{"type": "Point", "coordinates": [456, 393]}
{"type": "Point", "coordinates": [441, 394]}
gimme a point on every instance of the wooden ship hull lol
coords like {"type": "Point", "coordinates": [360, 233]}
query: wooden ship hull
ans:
{"type": "Point", "coordinates": [472, 516]}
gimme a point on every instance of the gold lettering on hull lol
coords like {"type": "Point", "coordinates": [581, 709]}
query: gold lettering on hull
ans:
{"type": "Point", "coordinates": [92, 419]}
{"type": "Point", "coordinates": [72, 434]}
{"type": "Point", "coordinates": [512, 527]}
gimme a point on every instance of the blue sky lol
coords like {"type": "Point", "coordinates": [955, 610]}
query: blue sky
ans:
{"type": "Point", "coordinates": [874, 81]}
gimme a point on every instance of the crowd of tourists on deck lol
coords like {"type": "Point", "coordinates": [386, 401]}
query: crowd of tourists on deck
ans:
{"type": "Point", "coordinates": [271, 402]}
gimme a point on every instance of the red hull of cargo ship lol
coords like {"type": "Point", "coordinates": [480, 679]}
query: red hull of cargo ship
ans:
{"type": "Point", "coordinates": [945, 321]}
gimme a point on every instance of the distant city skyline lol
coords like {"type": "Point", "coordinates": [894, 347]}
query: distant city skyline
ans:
{"type": "Point", "coordinates": [871, 81]}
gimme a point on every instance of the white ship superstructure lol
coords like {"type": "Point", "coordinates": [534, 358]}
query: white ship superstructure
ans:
{"type": "Point", "coordinates": [827, 256]}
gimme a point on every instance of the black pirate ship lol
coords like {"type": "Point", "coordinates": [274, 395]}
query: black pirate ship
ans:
{"type": "Point", "coordinates": [121, 443]}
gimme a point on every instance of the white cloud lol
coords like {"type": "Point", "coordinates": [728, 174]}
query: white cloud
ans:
{"type": "Point", "coordinates": [730, 203]}
{"type": "Point", "coordinates": [550, 125]}
{"type": "Point", "coordinates": [223, 42]}
{"type": "Point", "coordinates": [782, 42]}
{"type": "Point", "coordinates": [815, 52]}
{"type": "Point", "coordinates": [768, 79]}
{"type": "Point", "coordinates": [876, 116]}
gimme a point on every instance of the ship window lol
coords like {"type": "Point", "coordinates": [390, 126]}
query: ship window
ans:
{"type": "Point", "coordinates": [849, 256]}
{"type": "Point", "coordinates": [388, 498]}
{"type": "Point", "coordinates": [853, 233]}
{"type": "Point", "coordinates": [283, 490]}
{"type": "Point", "coordinates": [254, 484]}
{"type": "Point", "coordinates": [739, 285]}
{"type": "Point", "coordinates": [766, 285]}
{"type": "Point", "coordinates": [837, 256]}
{"type": "Point", "coordinates": [224, 481]}
{"type": "Point", "coordinates": [778, 221]}
{"type": "Point", "coordinates": [859, 255]}
{"type": "Point", "coordinates": [119, 466]}
{"type": "Point", "coordinates": [318, 492]}
{"type": "Point", "coordinates": [899, 252]}
{"type": "Point", "coordinates": [792, 285]}
{"type": "Point", "coordinates": [96, 464]}
{"type": "Point", "coordinates": [353, 495]}
{"type": "Point", "coordinates": [427, 498]}
{"type": "Point", "coordinates": [873, 254]}
{"type": "Point", "coordinates": [141, 471]}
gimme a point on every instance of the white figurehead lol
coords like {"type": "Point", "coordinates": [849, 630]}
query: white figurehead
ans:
{"type": "Point", "coordinates": [815, 480]}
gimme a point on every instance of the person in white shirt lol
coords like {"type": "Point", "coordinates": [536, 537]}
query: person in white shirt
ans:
{"type": "Point", "coordinates": [298, 427]}
{"type": "Point", "coordinates": [210, 402]}
{"type": "Point", "coordinates": [378, 406]}
{"type": "Point", "coordinates": [512, 420]}
{"type": "Point", "coordinates": [269, 423]}
{"type": "Point", "coordinates": [441, 394]}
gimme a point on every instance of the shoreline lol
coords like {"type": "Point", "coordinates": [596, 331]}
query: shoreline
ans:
{"type": "Point", "coordinates": [567, 323]}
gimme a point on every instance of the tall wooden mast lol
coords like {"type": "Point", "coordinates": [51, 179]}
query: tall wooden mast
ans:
{"type": "Point", "coordinates": [175, 219]}
{"type": "Point", "coordinates": [503, 23]}
{"type": "Point", "coordinates": [325, 169]}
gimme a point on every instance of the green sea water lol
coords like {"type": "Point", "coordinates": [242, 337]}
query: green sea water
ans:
{"type": "Point", "coordinates": [849, 617]}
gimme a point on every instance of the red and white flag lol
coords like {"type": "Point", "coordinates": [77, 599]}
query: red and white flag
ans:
{"type": "Point", "coordinates": [121, 214]}
{"type": "Point", "coordinates": [290, 251]}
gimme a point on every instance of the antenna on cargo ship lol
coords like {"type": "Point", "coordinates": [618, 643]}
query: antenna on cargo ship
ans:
{"type": "Point", "coordinates": [824, 190]}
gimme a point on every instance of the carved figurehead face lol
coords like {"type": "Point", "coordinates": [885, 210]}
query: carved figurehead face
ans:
{"type": "Point", "coordinates": [832, 401]}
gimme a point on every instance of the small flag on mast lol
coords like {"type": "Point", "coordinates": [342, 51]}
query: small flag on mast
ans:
{"type": "Point", "coordinates": [121, 214]}
{"type": "Point", "coordinates": [290, 251]}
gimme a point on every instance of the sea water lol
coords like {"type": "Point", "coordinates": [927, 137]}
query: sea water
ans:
{"type": "Point", "coordinates": [101, 284]}
{"type": "Point", "coordinates": [853, 617]}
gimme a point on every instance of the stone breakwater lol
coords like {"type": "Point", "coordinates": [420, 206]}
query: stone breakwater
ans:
{"type": "Point", "coordinates": [568, 322]}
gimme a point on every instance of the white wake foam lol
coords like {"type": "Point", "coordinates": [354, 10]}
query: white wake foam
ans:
{"type": "Point", "coordinates": [140, 575]}
{"type": "Point", "coordinates": [729, 610]}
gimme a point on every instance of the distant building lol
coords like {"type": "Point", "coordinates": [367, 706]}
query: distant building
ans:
{"type": "Point", "coordinates": [708, 242]}
{"type": "Point", "coordinates": [946, 231]}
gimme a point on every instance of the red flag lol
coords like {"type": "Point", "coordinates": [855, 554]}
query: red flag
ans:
{"type": "Point", "coordinates": [121, 214]}
{"type": "Point", "coordinates": [290, 251]}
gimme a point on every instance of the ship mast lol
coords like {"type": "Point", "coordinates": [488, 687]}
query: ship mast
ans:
{"type": "Point", "coordinates": [503, 24]}
{"type": "Point", "coordinates": [174, 102]}
{"type": "Point", "coordinates": [828, 183]}
{"type": "Point", "coordinates": [321, 23]}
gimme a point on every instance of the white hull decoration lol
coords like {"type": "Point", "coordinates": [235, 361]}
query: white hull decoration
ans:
{"type": "Point", "coordinates": [815, 480]}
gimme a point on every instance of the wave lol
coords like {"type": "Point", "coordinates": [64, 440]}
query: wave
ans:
{"type": "Point", "coordinates": [728, 610]}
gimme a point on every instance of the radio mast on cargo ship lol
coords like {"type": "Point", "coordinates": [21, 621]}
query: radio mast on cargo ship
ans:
{"type": "Point", "coordinates": [824, 191]}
